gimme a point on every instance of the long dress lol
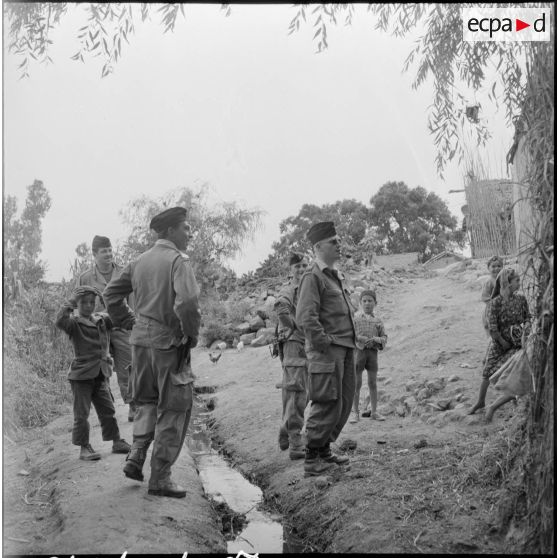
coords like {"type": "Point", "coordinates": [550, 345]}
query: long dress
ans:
{"type": "Point", "coordinates": [486, 293]}
{"type": "Point", "coordinates": [505, 316]}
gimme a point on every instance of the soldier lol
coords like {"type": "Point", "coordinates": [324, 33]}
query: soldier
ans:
{"type": "Point", "coordinates": [293, 362]}
{"type": "Point", "coordinates": [99, 276]}
{"type": "Point", "coordinates": [165, 328]}
{"type": "Point", "coordinates": [325, 314]}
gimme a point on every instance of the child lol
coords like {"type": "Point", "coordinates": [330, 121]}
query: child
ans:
{"type": "Point", "coordinates": [370, 337]}
{"type": "Point", "coordinates": [90, 370]}
{"type": "Point", "coordinates": [494, 265]}
{"type": "Point", "coordinates": [508, 317]}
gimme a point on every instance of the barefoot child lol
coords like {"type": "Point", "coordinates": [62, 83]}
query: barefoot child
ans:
{"type": "Point", "coordinates": [90, 370]}
{"type": "Point", "coordinates": [508, 312]}
{"type": "Point", "coordinates": [370, 337]}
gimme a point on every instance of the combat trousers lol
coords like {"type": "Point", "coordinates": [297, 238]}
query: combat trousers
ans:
{"type": "Point", "coordinates": [121, 353]}
{"type": "Point", "coordinates": [163, 396]}
{"type": "Point", "coordinates": [96, 391]}
{"type": "Point", "coordinates": [331, 389]}
{"type": "Point", "coordinates": [293, 392]}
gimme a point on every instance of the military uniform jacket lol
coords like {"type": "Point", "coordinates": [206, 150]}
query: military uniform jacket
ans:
{"type": "Point", "coordinates": [286, 312]}
{"type": "Point", "coordinates": [165, 297]}
{"type": "Point", "coordinates": [94, 278]}
{"type": "Point", "coordinates": [324, 311]}
{"type": "Point", "coordinates": [91, 343]}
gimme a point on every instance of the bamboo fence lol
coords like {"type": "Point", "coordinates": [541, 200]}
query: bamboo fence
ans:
{"type": "Point", "coordinates": [490, 217]}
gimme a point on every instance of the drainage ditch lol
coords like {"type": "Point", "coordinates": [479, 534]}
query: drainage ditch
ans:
{"type": "Point", "coordinates": [246, 524]}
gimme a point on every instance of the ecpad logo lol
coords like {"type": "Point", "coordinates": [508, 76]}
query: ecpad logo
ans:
{"type": "Point", "coordinates": [506, 24]}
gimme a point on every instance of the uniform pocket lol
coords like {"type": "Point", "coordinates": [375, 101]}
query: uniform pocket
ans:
{"type": "Point", "coordinates": [322, 385]}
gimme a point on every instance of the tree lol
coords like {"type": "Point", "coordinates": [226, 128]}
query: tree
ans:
{"type": "Point", "coordinates": [351, 219]}
{"type": "Point", "coordinates": [412, 220]}
{"type": "Point", "coordinates": [23, 236]}
{"type": "Point", "coordinates": [220, 229]}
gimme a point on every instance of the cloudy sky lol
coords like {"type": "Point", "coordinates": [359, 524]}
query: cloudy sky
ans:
{"type": "Point", "coordinates": [232, 101]}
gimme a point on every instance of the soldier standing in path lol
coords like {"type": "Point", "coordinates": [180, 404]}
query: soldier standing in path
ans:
{"type": "Point", "coordinates": [293, 362]}
{"type": "Point", "coordinates": [99, 276]}
{"type": "Point", "coordinates": [165, 328]}
{"type": "Point", "coordinates": [325, 314]}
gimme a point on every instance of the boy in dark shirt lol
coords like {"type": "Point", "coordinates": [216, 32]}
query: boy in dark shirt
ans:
{"type": "Point", "coordinates": [90, 370]}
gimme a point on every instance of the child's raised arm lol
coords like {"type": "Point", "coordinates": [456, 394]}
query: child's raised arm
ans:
{"type": "Point", "coordinates": [64, 320]}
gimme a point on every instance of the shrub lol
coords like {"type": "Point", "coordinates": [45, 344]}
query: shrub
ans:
{"type": "Point", "coordinates": [214, 331]}
{"type": "Point", "coordinates": [37, 356]}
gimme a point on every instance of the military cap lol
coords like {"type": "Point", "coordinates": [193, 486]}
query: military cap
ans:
{"type": "Point", "coordinates": [168, 218]}
{"type": "Point", "coordinates": [368, 292]}
{"type": "Point", "coordinates": [295, 257]}
{"type": "Point", "coordinates": [321, 231]}
{"type": "Point", "coordinates": [100, 242]}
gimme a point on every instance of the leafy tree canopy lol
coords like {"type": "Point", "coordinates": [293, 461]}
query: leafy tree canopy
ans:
{"type": "Point", "coordinates": [219, 229]}
{"type": "Point", "coordinates": [412, 220]}
{"type": "Point", "coordinates": [23, 235]}
{"type": "Point", "coordinates": [351, 219]}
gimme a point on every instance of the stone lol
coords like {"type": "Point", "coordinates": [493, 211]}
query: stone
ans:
{"type": "Point", "coordinates": [218, 344]}
{"type": "Point", "coordinates": [262, 313]}
{"type": "Point", "coordinates": [256, 323]}
{"type": "Point", "coordinates": [422, 443]}
{"type": "Point", "coordinates": [400, 411]}
{"type": "Point", "coordinates": [322, 482]}
{"type": "Point", "coordinates": [412, 386]}
{"type": "Point", "coordinates": [454, 378]}
{"type": "Point", "coordinates": [243, 328]}
{"type": "Point", "coordinates": [247, 338]}
{"type": "Point", "coordinates": [423, 394]}
{"type": "Point", "coordinates": [435, 385]}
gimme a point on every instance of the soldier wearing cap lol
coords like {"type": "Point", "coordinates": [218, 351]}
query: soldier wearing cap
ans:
{"type": "Point", "coordinates": [165, 327]}
{"type": "Point", "coordinates": [325, 314]}
{"type": "Point", "coordinates": [293, 362]}
{"type": "Point", "coordinates": [103, 270]}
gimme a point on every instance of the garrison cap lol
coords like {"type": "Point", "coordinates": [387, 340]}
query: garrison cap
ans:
{"type": "Point", "coordinates": [321, 231]}
{"type": "Point", "coordinates": [168, 218]}
{"type": "Point", "coordinates": [100, 242]}
{"type": "Point", "coordinates": [295, 257]}
{"type": "Point", "coordinates": [368, 292]}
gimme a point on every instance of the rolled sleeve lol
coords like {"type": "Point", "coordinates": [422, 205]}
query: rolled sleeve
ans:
{"type": "Point", "coordinates": [64, 320]}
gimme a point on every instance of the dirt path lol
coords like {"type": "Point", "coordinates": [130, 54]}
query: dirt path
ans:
{"type": "Point", "coordinates": [422, 481]}
{"type": "Point", "coordinates": [67, 506]}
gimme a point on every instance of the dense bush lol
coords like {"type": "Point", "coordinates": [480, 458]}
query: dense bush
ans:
{"type": "Point", "coordinates": [36, 357]}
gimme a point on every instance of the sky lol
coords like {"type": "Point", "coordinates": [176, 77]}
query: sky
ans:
{"type": "Point", "coordinates": [233, 101]}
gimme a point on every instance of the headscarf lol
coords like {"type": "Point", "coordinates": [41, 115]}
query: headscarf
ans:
{"type": "Point", "coordinates": [503, 282]}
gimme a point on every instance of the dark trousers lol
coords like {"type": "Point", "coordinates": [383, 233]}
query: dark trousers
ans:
{"type": "Point", "coordinates": [331, 388]}
{"type": "Point", "coordinates": [163, 395]}
{"type": "Point", "coordinates": [96, 391]}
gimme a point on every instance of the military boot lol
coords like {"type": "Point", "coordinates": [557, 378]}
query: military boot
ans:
{"type": "Point", "coordinates": [329, 457]}
{"type": "Point", "coordinates": [314, 465]}
{"type": "Point", "coordinates": [166, 487]}
{"type": "Point", "coordinates": [134, 463]}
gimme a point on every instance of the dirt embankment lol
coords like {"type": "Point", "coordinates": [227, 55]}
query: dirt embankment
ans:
{"type": "Point", "coordinates": [425, 480]}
